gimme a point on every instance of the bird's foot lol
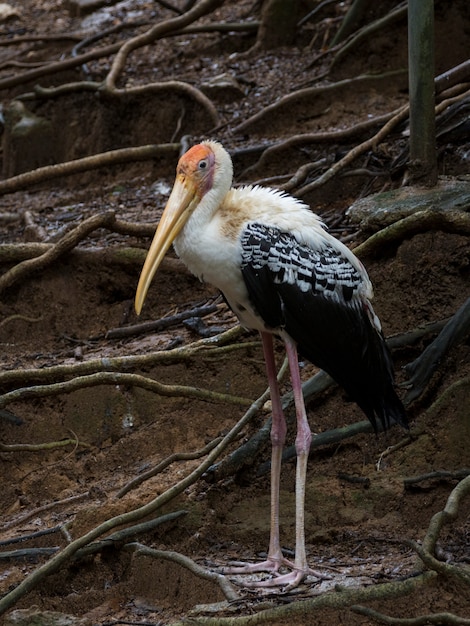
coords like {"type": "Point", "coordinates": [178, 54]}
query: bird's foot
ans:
{"type": "Point", "coordinates": [270, 565]}
{"type": "Point", "coordinates": [288, 581]}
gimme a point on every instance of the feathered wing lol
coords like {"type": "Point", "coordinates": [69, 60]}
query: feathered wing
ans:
{"type": "Point", "coordinates": [315, 296]}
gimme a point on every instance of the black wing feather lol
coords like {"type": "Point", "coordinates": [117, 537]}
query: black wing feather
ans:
{"type": "Point", "coordinates": [312, 295]}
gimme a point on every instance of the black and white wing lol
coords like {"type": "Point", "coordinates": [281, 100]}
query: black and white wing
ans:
{"type": "Point", "coordinates": [316, 296]}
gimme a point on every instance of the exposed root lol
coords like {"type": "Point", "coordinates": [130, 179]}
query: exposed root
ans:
{"type": "Point", "coordinates": [308, 93]}
{"type": "Point", "coordinates": [421, 221]}
{"type": "Point", "coordinates": [113, 157]}
{"type": "Point", "coordinates": [177, 456]}
{"type": "Point", "coordinates": [226, 586]}
{"type": "Point", "coordinates": [433, 618]}
{"type": "Point", "coordinates": [64, 556]}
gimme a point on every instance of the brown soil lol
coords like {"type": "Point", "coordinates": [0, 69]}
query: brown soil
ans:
{"type": "Point", "coordinates": [356, 529]}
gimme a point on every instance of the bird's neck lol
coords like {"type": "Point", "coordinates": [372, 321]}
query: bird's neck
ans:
{"type": "Point", "coordinates": [191, 242]}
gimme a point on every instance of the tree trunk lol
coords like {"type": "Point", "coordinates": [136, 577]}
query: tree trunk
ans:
{"type": "Point", "coordinates": [279, 20]}
{"type": "Point", "coordinates": [423, 159]}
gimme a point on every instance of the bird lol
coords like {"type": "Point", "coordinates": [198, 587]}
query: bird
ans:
{"type": "Point", "coordinates": [284, 275]}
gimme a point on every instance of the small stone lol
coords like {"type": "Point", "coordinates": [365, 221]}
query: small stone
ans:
{"type": "Point", "coordinates": [223, 86]}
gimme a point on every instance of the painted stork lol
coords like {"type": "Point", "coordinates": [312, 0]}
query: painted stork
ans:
{"type": "Point", "coordinates": [282, 274]}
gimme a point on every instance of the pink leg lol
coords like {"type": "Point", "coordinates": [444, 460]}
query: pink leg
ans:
{"type": "Point", "coordinates": [300, 568]}
{"type": "Point", "coordinates": [278, 436]}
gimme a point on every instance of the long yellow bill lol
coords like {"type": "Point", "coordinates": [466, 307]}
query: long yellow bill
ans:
{"type": "Point", "coordinates": [182, 201]}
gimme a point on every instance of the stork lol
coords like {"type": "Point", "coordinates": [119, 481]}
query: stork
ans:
{"type": "Point", "coordinates": [284, 275]}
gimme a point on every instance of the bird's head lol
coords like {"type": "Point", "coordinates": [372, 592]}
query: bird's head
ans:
{"type": "Point", "coordinates": [204, 171]}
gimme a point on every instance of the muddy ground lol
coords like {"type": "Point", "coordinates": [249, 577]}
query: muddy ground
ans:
{"type": "Point", "coordinates": [361, 513]}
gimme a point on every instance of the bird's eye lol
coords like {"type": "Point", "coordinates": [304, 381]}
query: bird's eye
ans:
{"type": "Point", "coordinates": [202, 165]}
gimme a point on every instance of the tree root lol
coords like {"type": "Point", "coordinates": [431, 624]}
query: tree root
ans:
{"type": "Point", "coordinates": [428, 219]}
{"type": "Point", "coordinates": [445, 516]}
{"type": "Point", "coordinates": [69, 241]}
{"type": "Point", "coordinates": [104, 159]}
{"type": "Point", "coordinates": [116, 378]}
{"type": "Point", "coordinates": [214, 346]}
{"type": "Point", "coordinates": [421, 370]}
{"type": "Point", "coordinates": [442, 619]}
{"type": "Point", "coordinates": [243, 456]}
{"type": "Point", "coordinates": [343, 598]}
{"type": "Point", "coordinates": [160, 324]}
{"type": "Point", "coordinates": [38, 447]}
{"type": "Point", "coordinates": [122, 51]}
{"type": "Point", "coordinates": [64, 556]}
{"type": "Point", "coordinates": [309, 93]}
{"type": "Point", "coordinates": [349, 598]}
{"type": "Point", "coordinates": [437, 475]}
{"type": "Point", "coordinates": [45, 507]}
{"type": "Point", "coordinates": [226, 586]}
{"type": "Point", "coordinates": [364, 33]}
{"type": "Point", "coordinates": [313, 138]}
{"type": "Point", "coordinates": [177, 456]}
{"type": "Point", "coordinates": [399, 116]}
